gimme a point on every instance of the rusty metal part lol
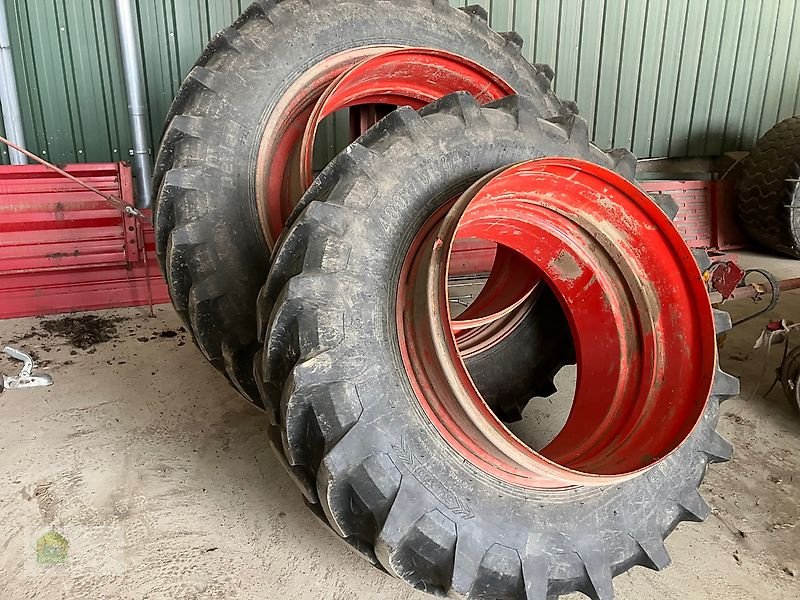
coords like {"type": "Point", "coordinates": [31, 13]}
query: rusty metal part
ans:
{"type": "Point", "coordinates": [26, 378]}
{"type": "Point", "coordinates": [720, 287]}
{"type": "Point", "coordinates": [787, 285]}
{"type": "Point", "coordinates": [774, 290]}
{"type": "Point", "coordinates": [757, 291]}
{"type": "Point", "coordinates": [726, 277]}
{"type": "Point", "coordinates": [637, 306]}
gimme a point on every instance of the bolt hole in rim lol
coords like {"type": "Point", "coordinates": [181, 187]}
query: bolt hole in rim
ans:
{"type": "Point", "coordinates": [638, 310]}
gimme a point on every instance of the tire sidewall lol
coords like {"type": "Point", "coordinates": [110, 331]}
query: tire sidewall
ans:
{"type": "Point", "coordinates": [393, 204]}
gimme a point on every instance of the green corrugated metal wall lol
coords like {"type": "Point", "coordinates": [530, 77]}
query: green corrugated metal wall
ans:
{"type": "Point", "coordinates": [3, 150]}
{"type": "Point", "coordinates": [71, 91]}
{"type": "Point", "coordinates": [66, 55]}
{"type": "Point", "coordinates": [664, 77]}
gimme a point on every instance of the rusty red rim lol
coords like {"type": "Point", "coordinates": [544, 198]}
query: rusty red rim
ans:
{"type": "Point", "coordinates": [512, 282]}
{"type": "Point", "coordinates": [367, 81]}
{"type": "Point", "coordinates": [638, 312]}
{"type": "Point", "coordinates": [412, 77]}
{"type": "Point", "coordinates": [494, 328]}
{"type": "Point", "coordinates": [278, 184]}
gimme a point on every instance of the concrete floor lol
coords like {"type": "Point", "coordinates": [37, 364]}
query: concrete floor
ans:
{"type": "Point", "coordinates": [160, 479]}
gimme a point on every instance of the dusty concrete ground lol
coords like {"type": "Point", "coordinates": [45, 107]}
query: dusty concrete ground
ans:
{"type": "Point", "coordinates": [160, 480]}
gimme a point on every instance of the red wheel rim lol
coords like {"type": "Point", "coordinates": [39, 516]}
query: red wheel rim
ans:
{"type": "Point", "coordinates": [493, 328]}
{"type": "Point", "coordinates": [511, 284]}
{"type": "Point", "coordinates": [366, 79]}
{"type": "Point", "coordinates": [412, 77]}
{"type": "Point", "coordinates": [277, 164]}
{"type": "Point", "coordinates": [416, 77]}
{"type": "Point", "coordinates": [363, 77]}
{"type": "Point", "coordinates": [637, 306]}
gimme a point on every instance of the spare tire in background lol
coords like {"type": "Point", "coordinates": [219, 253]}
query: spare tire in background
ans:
{"type": "Point", "coordinates": [769, 189]}
{"type": "Point", "coordinates": [210, 172]}
{"type": "Point", "coordinates": [354, 433]}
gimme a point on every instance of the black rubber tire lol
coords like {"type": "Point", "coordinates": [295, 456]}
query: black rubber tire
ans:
{"type": "Point", "coordinates": [208, 236]}
{"type": "Point", "coordinates": [524, 365]}
{"type": "Point", "coordinates": [355, 438]}
{"type": "Point", "coordinates": [789, 372]}
{"type": "Point", "coordinates": [769, 189]}
{"type": "Point", "coordinates": [500, 373]}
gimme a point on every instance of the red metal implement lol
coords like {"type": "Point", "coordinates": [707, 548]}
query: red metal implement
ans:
{"type": "Point", "coordinates": [65, 248]}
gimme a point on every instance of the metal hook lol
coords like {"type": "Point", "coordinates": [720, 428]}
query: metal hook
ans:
{"type": "Point", "coordinates": [26, 377]}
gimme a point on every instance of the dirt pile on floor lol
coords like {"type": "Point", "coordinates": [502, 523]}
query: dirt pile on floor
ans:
{"type": "Point", "coordinates": [83, 331]}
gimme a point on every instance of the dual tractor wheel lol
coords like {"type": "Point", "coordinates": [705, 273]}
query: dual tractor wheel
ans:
{"type": "Point", "coordinates": [328, 301]}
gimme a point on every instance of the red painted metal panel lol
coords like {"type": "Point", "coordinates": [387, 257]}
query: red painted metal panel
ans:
{"type": "Point", "coordinates": [706, 214]}
{"type": "Point", "coordinates": [63, 248]}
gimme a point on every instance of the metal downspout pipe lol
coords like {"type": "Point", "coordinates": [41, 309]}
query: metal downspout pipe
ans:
{"type": "Point", "coordinates": [137, 109]}
{"type": "Point", "coordinates": [9, 97]}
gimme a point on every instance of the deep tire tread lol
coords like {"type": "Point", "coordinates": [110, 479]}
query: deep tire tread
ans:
{"type": "Point", "coordinates": [202, 126]}
{"type": "Point", "coordinates": [361, 493]}
{"type": "Point", "coordinates": [768, 205]}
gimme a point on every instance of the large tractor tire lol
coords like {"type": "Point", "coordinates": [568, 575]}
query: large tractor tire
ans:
{"type": "Point", "coordinates": [210, 183]}
{"type": "Point", "coordinates": [365, 449]}
{"type": "Point", "coordinates": [769, 189]}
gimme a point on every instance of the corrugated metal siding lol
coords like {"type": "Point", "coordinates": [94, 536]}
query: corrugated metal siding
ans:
{"type": "Point", "coordinates": [71, 91]}
{"type": "Point", "coordinates": [173, 34]}
{"type": "Point", "coordinates": [664, 77]}
{"type": "Point", "coordinates": [69, 73]}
